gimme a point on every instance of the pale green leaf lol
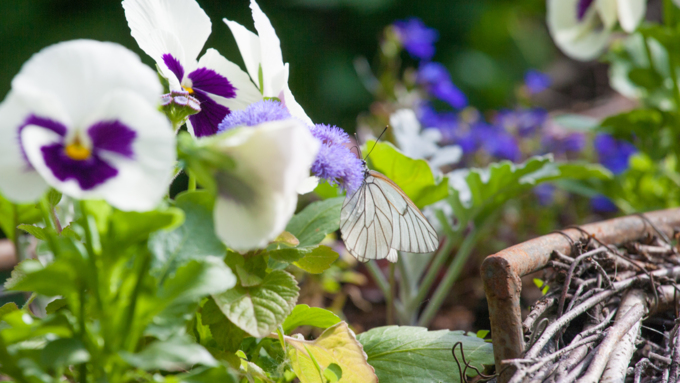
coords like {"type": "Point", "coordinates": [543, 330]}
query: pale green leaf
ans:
{"type": "Point", "coordinates": [312, 224]}
{"type": "Point", "coordinates": [176, 354]}
{"type": "Point", "coordinates": [304, 315]}
{"type": "Point", "coordinates": [318, 260]}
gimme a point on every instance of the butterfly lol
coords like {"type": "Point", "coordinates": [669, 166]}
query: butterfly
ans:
{"type": "Point", "coordinates": [378, 219]}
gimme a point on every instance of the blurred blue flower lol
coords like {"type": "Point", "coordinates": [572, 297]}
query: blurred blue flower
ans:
{"type": "Point", "coordinates": [335, 162]}
{"type": "Point", "coordinates": [602, 204]}
{"type": "Point", "coordinates": [435, 78]}
{"type": "Point", "coordinates": [500, 144]}
{"type": "Point", "coordinates": [255, 114]}
{"type": "Point", "coordinates": [523, 122]}
{"type": "Point", "coordinates": [545, 194]}
{"type": "Point", "coordinates": [536, 82]}
{"type": "Point", "coordinates": [561, 142]}
{"type": "Point", "coordinates": [446, 122]}
{"type": "Point", "coordinates": [417, 38]}
{"type": "Point", "coordinates": [613, 153]}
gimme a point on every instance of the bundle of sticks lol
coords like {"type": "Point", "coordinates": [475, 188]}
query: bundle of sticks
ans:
{"type": "Point", "coordinates": [610, 316]}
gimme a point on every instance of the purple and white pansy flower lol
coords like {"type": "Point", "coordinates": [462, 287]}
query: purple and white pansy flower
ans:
{"type": "Point", "coordinates": [581, 28]}
{"type": "Point", "coordinates": [82, 118]}
{"type": "Point", "coordinates": [173, 33]}
{"type": "Point", "coordinates": [262, 56]}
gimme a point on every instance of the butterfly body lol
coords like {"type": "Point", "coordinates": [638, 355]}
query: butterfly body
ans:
{"type": "Point", "coordinates": [378, 219]}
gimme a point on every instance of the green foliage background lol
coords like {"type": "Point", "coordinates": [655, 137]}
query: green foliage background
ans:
{"type": "Point", "coordinates": [487, 44]}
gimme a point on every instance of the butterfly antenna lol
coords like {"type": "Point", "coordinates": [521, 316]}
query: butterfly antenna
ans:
{"type": "Point", "coordinates": [376, 142]}
{"type": "Point", "coordinates": [356, 139]}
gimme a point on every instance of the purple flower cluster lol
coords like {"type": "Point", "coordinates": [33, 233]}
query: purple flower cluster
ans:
{"type": "Point", "coordinates": [435, 79]}
{"type": "Point", "coordinates": [522, 122]}
{"type": "Point", "coordinates": [417, 38]}
{"type": "Point", "coordinates": [254, 114]}
{"type": "Point", "coordinates": [602, 204]}
{"type": "Point", "coordinates": [536, 82]}
{"type": "Point", "coordinates": [613, 154]}
{"type": "Point", "coordinates": [335, 162]}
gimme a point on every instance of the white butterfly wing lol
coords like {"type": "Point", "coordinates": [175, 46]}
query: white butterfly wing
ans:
{"type": "Point", "coordinates": [379, 219]}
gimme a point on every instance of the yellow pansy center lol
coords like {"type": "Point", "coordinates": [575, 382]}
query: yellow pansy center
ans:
{"type": "Point", "coordinates": [188, 89]}
{"type": "Point", "coordinates": [77, 151]}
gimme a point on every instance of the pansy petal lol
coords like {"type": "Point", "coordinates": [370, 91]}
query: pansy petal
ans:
{"type": "Point", "coordinates": [308, 185]}
{"type": "Point", "coordinates": [293, 107]}
{"type": "Point", "coordinates": [80, 72]}
{"type": "Point", "coordinates": [249, 46]}
{"type": "Point", "coordinates": [128, 181]}
{"type": "Point", "coordinates": [19, 182]}
{"type": "Point", "coordinates": [580, 40]}
{"type": "Point", "coordinates": [606, 9]}
{"type": "Point", "coordinates": [246, 92]}
{"type": "Point", "coordinates": [182, 18]}
{"type": "Point", "coordinates": [631, 13]}
{"type": "Point", "coordinates": [205, 122]}
{"type": "Point", "coordinates": [270, 46]}
{"type": "Point", "coordinates": [257, 199]}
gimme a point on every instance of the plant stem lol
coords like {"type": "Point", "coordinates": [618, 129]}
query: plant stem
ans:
{"type": "Point", "coordinates": [192, 181]}
{"type": "Point", "coordinates": [391, 296]}
{"type": "Point", "coordinates": [18, 251]}
{"type": "Point", "coordinates": [432, 272]}
{"type": "Point", "coordinates": [131, 335]}
{"type": "Point", "coordinates": [449, 278]}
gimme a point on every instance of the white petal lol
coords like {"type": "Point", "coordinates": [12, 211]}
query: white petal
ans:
{"type": "Point", "coordinates": [142, 181]}
{"type": "Point", "coordinates": [631, 13]}
{"type": "Point", "coordinates": [246, 92]}
{"type": "Point", "coordinates": [182, 18]}
{"type": "Point", "coordinates": [293, 107]}
{"type": "Point", "coordinates": [308, 185]}
{"type": "Point", "coordinates": [581, 40]}
{"type": "Point", "coordinates": [249, 46]}
{"type": "Point", "coordinates": [19, 182]}
{"type": "Point", "coordinates": [270, 48]}
{"type": "Point", "coordinates": [272, 160]}
{"type": "Point", "coordinates": [81, 72]}
{"type": "Point", "coordinates": [607, 12]}
{"type": "Point", "coordinates": [447, 155]}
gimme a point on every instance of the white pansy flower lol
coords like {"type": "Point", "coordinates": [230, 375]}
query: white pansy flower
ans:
{"type": "Point", "coordinates": [581, 28]}
{"type": "Point", "coordinates": [82, 117]}
{"type": "Point", "coordinates": [258, 197]}
{"type": "Point", "coordinates": [264, 61]}
{"type": "Point", "coordinates": [418, 143]}
{"type": "Point", "coordinates": [173, 33]}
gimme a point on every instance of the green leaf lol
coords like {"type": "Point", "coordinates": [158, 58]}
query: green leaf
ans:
{"type": "Point", "coordinates": [54, 197]}
{"type": "Point", "coordinates": [8, 308]}
{"type": "Point", "coordinates": [316, 262]}
{"type": "Point", "coordinates": [225, 333]}
{"type": "Point", "coordinates": [325, 190]}
{"type": "Point", "coordinates": [414, 177]}
{"type": "Point", "coordinates": [57, 278]}
{"type": "Point", "coordinates": [303, 315]}
{"type": "Point", "coordinates": [538, 282]}
{"type": "Point", "coordinates": [414, 355]}
{"type": "Point", "coordinates": [175, 354]}
{"type": "Point", "coordinates": [481, 334]}
{"type": "Point", "coordinates": [12, 215]}
{"type": "Point", "coordinates": [260, 309]}
{"type": "Point", "coordinates": [333, 373]}
{"type": "Point", "coordinates": [311, 225]}
{"type": "Point", "coordinates": [337, 345]}
{"type": "Point", "coordinates": [64, 352]}
{"type": "Point", "coordinates": [219, 374]}
{"type": "Point", "coordinates": [195, 239]}
{"type": "Point", "coordinates": [35, 231]}
{"type": "Point", "coordinates": [130, 227]}
{"type": "Point", "coordinates": [289, 255]}
{"type": "Point", "coordinates": [196, 279]}
{"type": "Point", "coordinates": [55, 305]}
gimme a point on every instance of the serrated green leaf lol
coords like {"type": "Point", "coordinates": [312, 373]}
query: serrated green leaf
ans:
{"type": "Point", "coordinates": [392, 351]}
{"type": "Point", "coordinates": [318, 260]}
{"type": "Point", "coordinates": [260, 309]}
{"type": "Point", "coordinates": [337, 345]}
{"type": "Point", "coordinates": [195, 239]}
{"type": "Point", "coordinates": [8, 308]}
{"type": "Point", "coordinates": [175, 354]}
{"type": "Point", "coordinates": [57, 278]}
{"type": "Point", "coordinates": [35, 231]}
{"type": "Point", "coordinates": [303, 315]}
{"type": "Point", "coordinates": [64, 352]}
{"type": "Point", "coordinates": [196, 279]}
{"type": "Point", "coordinates": [314, 222]}
{"type": "Point", "coordinates": [414, 177]}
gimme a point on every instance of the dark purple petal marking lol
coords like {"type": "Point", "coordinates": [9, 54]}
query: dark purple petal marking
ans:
{"type": "Point", "coordinates": [88, 173]}
{"type": "Point", "coordinates": [56, 127]}
{"type": "Point", "coordinates": [113, 136]}
{"type": "Point", "coordinates": [210, 81]}
{"type": "Point", "coordinates": [582, 8]}
{"type": "Point", "coordinates": [206, 121]}
{"type": "Point", "coordinates": [174, 65]}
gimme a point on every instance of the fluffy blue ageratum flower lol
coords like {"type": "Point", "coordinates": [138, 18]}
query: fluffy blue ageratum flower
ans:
{"type": "Point", "coordinates": [602, 204]}
{"type": "Point", "coordinates": [613, 153]}
{"type": "Point", "coordinates": [254, 114]}
{"type": "Point", "coordinates": [417, 38]}
{"type": "Point", "coordinates": [523, 122]}
{"type": "Point", "coordinates": [435, 78]}
{"type": "Point", "coordinates": [335, 162]}
{"type": "Point", "coordinates": [536, 82]}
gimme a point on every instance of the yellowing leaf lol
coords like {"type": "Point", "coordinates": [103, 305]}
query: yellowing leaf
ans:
{"type": "Point", "coordinates": [337, 345]}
